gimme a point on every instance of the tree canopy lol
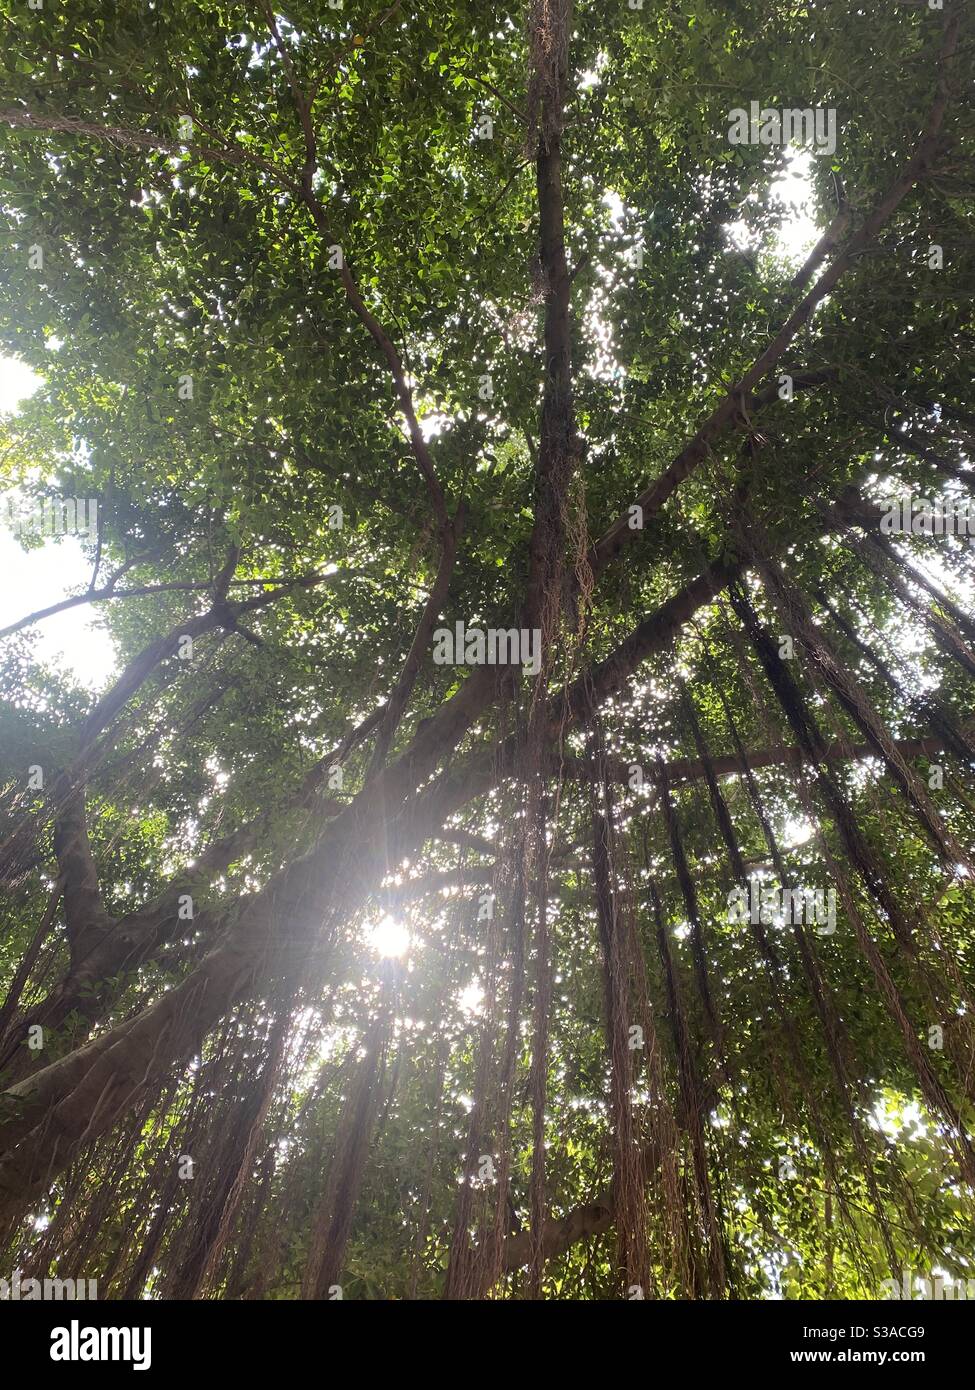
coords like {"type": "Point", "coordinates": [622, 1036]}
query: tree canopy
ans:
{"type": "Point", "coordinates": [339, 958]}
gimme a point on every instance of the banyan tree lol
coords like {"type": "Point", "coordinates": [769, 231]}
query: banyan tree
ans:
{"type": "Point", "coordinates": [519, 458]}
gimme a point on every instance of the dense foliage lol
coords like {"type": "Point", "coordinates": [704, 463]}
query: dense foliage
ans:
{"type": "Point", "coordinates": [365, 320]}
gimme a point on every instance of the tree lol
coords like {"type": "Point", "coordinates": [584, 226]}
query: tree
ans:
{"type": "Point", "coordinates": [526, 847]}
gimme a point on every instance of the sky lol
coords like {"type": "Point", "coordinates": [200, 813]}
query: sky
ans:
{"type": "Point", "coordinates": [33, 579]}
{"type": "Point", "coordinates": [797, 233]}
